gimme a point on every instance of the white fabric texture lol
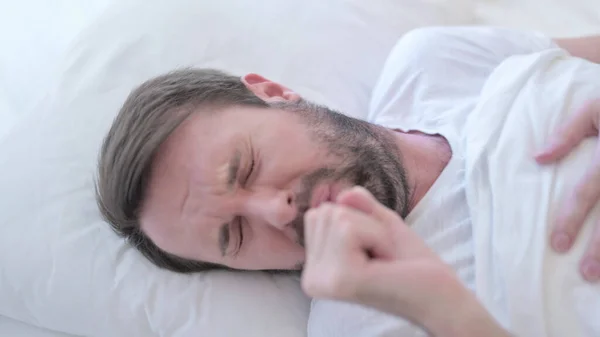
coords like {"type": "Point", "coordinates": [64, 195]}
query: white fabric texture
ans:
{"type": "Point", "coordinates": [431, 83]}
{"type": "Point", "coordinates": [11, 328]}
{"type": "Point", "coordinates": [577, 17]}
{"type": "Point", "coordinates": [62, 268]}
{"type": "Point", "coordinates": [34, 36]}
{"type": "Point", "coordinates": [530, 289]}
{"type": "Point", "coordinates": [7, 116]}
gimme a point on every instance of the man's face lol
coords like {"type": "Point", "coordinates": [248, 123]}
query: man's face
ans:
{"type": "Point", "coordinates": [231, 186]}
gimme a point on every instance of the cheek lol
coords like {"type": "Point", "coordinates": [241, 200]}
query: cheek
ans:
{"type": "Point", "coordinates": [284, 164]}
{"type": "Point", "coordinates": [273, 245]}
{"type": "Point", "coordinates": [290, 154]}
{"type": "Point", "coordinates": [301, 153]}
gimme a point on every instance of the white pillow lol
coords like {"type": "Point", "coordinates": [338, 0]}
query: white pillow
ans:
{"type": "Point", "coordinates": [8, 117]}
{"type": "Point", "coordinates": [61, 267]}
{"type": "Point", "coordinates": [34, 35]}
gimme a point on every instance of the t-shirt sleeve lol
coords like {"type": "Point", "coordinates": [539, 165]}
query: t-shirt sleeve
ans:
{"type": "Point", "coordinates": [437, 69]}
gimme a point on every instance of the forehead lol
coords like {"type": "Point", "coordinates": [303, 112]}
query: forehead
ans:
{"type": "Point", "coordinates": [194, 152]}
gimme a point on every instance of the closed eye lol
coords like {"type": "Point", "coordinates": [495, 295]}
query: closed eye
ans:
{"type": "Point", "coordinates": [240, 231]}
{"type": "Point", "coordinates": [249, 174]}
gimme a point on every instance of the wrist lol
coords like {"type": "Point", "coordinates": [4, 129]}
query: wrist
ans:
{"type": "Point", "coordinates": [467, 317]}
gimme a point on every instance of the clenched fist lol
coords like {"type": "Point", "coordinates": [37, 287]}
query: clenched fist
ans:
{"type": "Point", "coordinates": [362, 252]}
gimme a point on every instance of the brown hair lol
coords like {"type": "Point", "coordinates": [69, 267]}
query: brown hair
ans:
{"type": "Point", "coordinates": [148, 117]}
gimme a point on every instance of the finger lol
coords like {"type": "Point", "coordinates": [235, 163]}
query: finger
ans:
{"type": "Point", "coordinates": [362, 231]}
{"type": "Point", "coordinates": [347, 239]}
{"type": "Point", "coordinates": [577, 207]}
{"type": "Point", "coordinates": [347, 229]}
{"type": "Point", "coordinates": [315, 235]}
{"type": "Point", "coordinates": [408, 243]}
{"type": "Point", "coordinates": [361, 199]}
{"type": "Point", "coordinates": [578, 127]}
{"type": "Point", "coordinates": [590, 265]}
{"type": "Point", "coordinates": [313, 229]}
{"type": "Point", "coordinates": [317, 229]}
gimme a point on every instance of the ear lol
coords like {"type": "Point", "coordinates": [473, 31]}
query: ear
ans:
{"type": "Point", "coordinates": [268, 90]}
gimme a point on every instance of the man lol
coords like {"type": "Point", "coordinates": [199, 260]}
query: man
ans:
{"type": "Point", "coordinates": [203, 170]}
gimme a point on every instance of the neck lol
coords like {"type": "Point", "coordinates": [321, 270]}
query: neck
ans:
{"type": "Point", "coordinates": [424, 157]}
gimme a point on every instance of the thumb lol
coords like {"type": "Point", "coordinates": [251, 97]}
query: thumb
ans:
{"type": "Point", "coordinates": [577, 128]}
{"type": "Point", "coordinates": [408, 243]}
{"type": "Point", "coordinates": [362, 200]}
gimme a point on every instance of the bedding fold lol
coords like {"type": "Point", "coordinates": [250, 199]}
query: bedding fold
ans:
{"type": "Point", "coordinates": [530, 289]}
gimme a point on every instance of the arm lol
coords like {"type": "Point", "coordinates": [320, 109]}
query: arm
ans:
{"type": "Point", "coordinates": [359, 251]}
{"type": "Point", "coordinates": [587, 47]}
{"type": "Point", "coordinates": [467, 319]}
{"type": "Point", "coordinates": [451, 310]}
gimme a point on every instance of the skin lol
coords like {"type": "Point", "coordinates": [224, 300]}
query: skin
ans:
{"type": "Point", "coordinates": [188, 201]}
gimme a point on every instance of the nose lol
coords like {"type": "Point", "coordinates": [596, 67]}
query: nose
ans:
{"type": "Point", "coordinates": [275, 207]}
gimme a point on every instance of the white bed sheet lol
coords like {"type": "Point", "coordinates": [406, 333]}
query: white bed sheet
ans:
{"type": "Point", "coordinates": [517, 273]}
{"type": "Point", "coordinates": [22, 22]}
{"type": "Point", "coordinates": [12, 328]}
{"type": "Point", "coordinates": [34, 34]}
{"type": "Point", "coordinates": [7, 116]}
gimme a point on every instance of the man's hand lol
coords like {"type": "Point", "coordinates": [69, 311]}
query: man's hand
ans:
{"type": "Point", "coordinates": [360, 251]}
{"type": "Point", "coordinates": [585, 47]}
{"type": "Point", "coordinates": [585, 195]}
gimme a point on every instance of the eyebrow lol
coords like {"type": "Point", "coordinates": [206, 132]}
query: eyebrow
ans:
{"type": "Point", "coordinates": [232, 173]}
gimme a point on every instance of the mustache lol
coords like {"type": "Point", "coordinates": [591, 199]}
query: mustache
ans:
{"type": "Point", "coordinates": [309, 182]}
{"type": "Point", "coordinates": [298, 226]}
{"type": "Point", "coordinates": [356, 177]}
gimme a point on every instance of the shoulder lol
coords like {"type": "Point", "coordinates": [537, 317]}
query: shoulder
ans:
{"type": "Point", "coordinates": [431, 70]}
{"type": "Point", "coordinates": [435, 45]}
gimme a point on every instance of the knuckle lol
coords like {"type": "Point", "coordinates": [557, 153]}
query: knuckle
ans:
{"type": "Point", "coordinates": [315, 214]}
{"type": "Point", "coordinates": [339, 214]}
{"type": "Point", "coordinates": [311, 287]}
{"type": "Point", "coordinates": [345, 229]}
{"type": "Point", "coordinates": [325, 211]}
{"type": "Point", "coordinates": [307, 281]}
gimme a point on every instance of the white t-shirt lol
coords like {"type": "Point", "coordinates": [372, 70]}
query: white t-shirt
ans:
{"type": "Point", "coordinates": [430, 83]}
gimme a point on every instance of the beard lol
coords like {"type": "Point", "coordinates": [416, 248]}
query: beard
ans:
{"type": "Point", "coordinates": [363, 155]}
